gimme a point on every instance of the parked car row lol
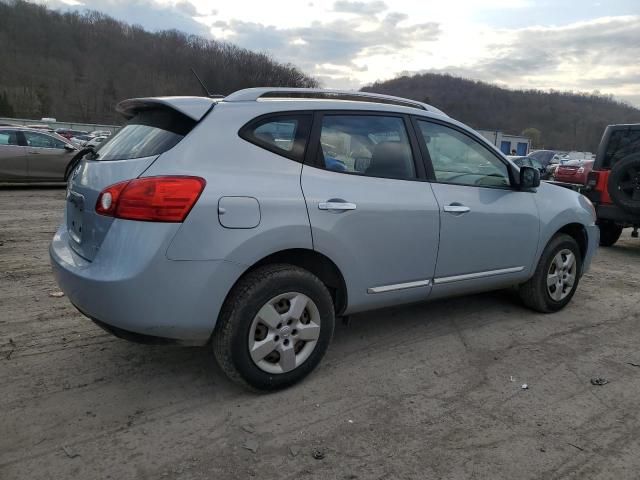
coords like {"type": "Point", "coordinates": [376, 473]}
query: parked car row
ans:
{"type": "Point", "coordinates": [31, 155]}
{"type": "Point", "coordinates": [611, 180]}
{"type": "Point", "coordinates": [558, 166]}
{"type": "Point", "coordinates": [83, 138]}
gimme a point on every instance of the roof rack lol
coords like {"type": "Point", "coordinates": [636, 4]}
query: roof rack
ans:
{"type": "Point", "coordinates": [255, 94]}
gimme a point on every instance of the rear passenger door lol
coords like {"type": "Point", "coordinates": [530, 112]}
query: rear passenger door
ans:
{"type": "Point", "coordinates": [371, 210]}
{"type": "Point", "coordinates": [13, 160]}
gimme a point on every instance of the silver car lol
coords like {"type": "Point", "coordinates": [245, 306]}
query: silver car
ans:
{"type": "Point", "coordinates": [29, 155]}
{"type": "Point", "coordinates": [252, 222]}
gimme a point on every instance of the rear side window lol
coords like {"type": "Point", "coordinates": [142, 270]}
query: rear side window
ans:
{"type": "Point", "coordinates": [150, 132]}
{"type": "Point", "coordinates": [284, 134]}
{"type": "Point", "coordinates": [371, 145]}
{"type": "Point", "coordinates": [8, 137]}
{"type": "Point", "coordinates": [621, 143]}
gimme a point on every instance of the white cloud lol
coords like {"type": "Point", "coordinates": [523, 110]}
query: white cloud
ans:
{"type": "Point", "coordinates": [360, 8]}
{"type": "Point", "coordinates": [599, 54]}
{"type": "Point", "coordinates": [355, 42]}
{"type": "Point", "coordinates": [342, 43]}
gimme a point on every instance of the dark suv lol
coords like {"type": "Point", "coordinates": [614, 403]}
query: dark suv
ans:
{"type": "Point", "coordinates": [614, 183]}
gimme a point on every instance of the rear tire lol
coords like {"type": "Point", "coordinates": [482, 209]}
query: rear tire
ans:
{"type": "Point", "coordinates": [609, 233]}
{"type": "Point", "coordinates": [274, 327]}
{"type": "Point", "coordinates": [556, 277]}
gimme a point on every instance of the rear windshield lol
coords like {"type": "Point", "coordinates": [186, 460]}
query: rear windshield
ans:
{"type": "Point", "coordinates": [148, 133]}
{"type": "Point", "coordinates": [621, 144]}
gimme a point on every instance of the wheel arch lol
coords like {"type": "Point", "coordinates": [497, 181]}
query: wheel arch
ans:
{"type": "Point", "coordinates": [579, 233]}
{"type": "Point", "coordinates": [318, 264]}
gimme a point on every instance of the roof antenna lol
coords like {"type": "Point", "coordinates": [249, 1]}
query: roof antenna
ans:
{"type": "Point", "coordinates": [209, 94]}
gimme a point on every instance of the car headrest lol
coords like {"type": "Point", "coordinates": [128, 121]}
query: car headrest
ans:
{"type": "Point", "coordinates": [392, 160]}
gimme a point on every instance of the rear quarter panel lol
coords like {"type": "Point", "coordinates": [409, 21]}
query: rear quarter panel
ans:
{"type": "Point", "coordinates": [233, 167]}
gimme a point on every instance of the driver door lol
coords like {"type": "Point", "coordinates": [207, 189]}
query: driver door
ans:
{"type": "Point", "coordinates": [488, 229]}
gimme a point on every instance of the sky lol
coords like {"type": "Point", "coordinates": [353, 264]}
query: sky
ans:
{"type": "Point", "coordinates": [579, 45]}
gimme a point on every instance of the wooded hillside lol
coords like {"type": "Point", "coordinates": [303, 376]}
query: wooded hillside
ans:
{"type": "Point", "coordinates": [565, 121]}
{"type": "Point", "coordinates": [77, 66]}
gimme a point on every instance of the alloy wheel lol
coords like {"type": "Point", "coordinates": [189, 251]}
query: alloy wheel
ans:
{"type": "Point", "coordinates": [561, 275]}
{"type": "Point", "coordinates": [284, 333]}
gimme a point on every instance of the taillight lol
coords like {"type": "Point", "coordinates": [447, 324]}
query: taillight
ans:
{"type": "Point", "coordinates": [151, 199]}
{"type": "Point", "coordinates": [592, 178]}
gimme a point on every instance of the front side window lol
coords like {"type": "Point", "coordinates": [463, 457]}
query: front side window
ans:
{"type": "Point", "coordinates": [40, 140]}
{"type": "Point", "coordinates": [459, 159]}
{"type": "Point", "coordinates": [8, 137]}
{"type": "Point", "coordinates": [621, 143]}
{"type": "Point", "coordinates": [284, 134]}
{"type": "Point", "coordinates": [371, 145]}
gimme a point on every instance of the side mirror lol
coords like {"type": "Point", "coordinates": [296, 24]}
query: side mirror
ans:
{"type": "Point", "coordinates": [529, 178]}
{"type": "Point", "coordinates": [69, 148]}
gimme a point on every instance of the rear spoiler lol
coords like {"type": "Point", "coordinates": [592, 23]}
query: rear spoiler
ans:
{"type": "Point", "coordinates": [193, 107]}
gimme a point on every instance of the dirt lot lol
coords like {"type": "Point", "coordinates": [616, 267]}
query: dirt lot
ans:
{"type": "Point", "coordinates": [427, 391]}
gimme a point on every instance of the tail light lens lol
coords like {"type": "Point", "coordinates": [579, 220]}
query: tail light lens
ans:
{"type": "Point", "coordinates": [592, 179]}
{"type": "Point", "coordinates": [151, 199]}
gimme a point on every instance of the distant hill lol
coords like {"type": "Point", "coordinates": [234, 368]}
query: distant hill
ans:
{"type": "Point", "coordinates": [77, 66]}
{"type": "Point", "coordinates": [566, 121]}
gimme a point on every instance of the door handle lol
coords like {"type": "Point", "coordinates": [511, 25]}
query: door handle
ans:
{"type": "Point", "coordinates": [456, 208]}
{"type": "Point", "coordinates": [336, 206]}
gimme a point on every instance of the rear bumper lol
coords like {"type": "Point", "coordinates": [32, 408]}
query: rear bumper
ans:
{"type": "Point", "coordinates": [616, 214]}
{"type": "Point", "coordinates": [133, 290]}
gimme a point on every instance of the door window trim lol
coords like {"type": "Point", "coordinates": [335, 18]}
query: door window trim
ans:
{"type": "Point", "coordinates": [314, 147]}
{"type": "Point", "coordinates": [428, 164]}
{"type": "Point", "coordinates": [302, 135]}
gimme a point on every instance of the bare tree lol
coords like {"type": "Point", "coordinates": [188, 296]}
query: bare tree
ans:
{"type": "Point", "coordinates": [564, 120]}
{"type": "Point", "coordinates": [77, 66]}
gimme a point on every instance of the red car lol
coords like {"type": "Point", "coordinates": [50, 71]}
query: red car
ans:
{"type": "Point", "coordinates": [68, 133]}
{"type": "Point", "coordinates": [574, 171]}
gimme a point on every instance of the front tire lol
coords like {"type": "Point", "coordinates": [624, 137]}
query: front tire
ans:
{"type": "Point", "coordinates": [609, 233]}
{"type": "Point", "coordinates": [556, 277]}
{"type": "Point", "coordinates": [274, 327]}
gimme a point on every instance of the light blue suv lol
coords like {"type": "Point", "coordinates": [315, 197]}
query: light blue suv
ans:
{"type": "Point", "coordinates": [254, 220]}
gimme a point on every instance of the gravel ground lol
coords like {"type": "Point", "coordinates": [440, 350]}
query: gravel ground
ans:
{"type": "Point", "coordinates": [425, 391]}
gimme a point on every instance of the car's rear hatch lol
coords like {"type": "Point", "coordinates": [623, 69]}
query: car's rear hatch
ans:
{"type": "Point", "coordinates": [154, 126]}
